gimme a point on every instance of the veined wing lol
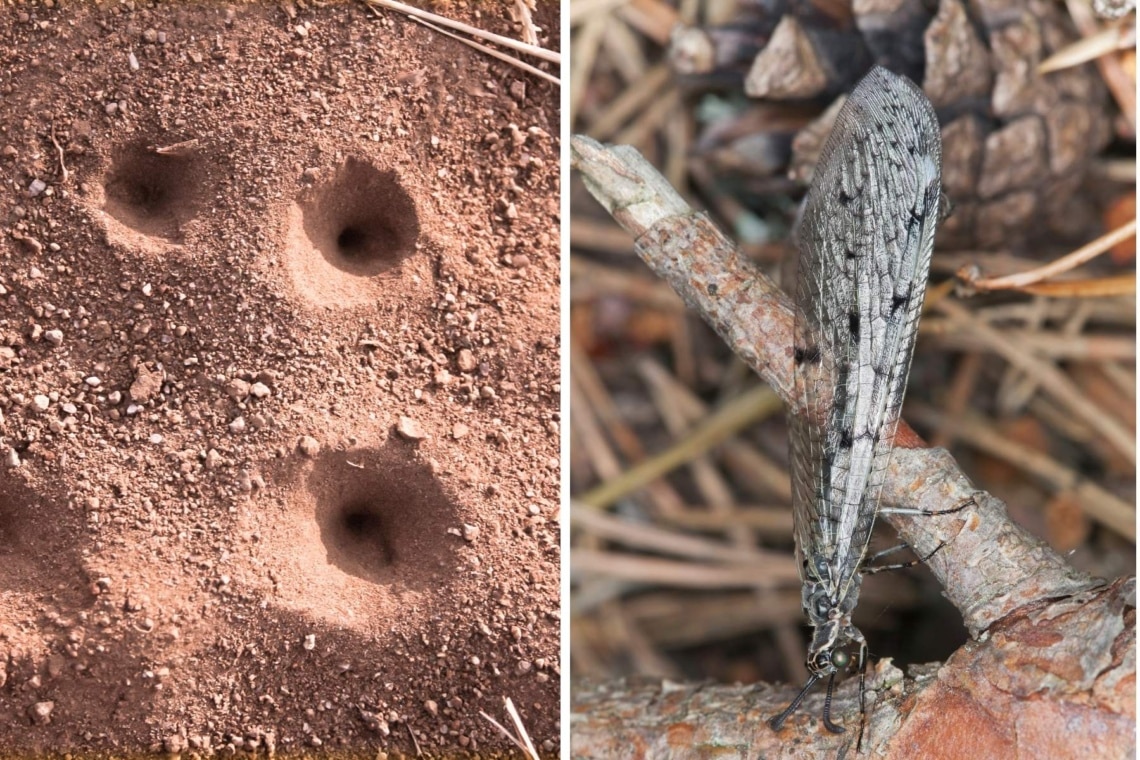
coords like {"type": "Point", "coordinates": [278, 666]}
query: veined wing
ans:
{"type": "Point", "coordinates": [866, 239]}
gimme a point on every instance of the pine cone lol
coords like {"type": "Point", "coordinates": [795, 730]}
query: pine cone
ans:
{"type": "Point", "coordinates": [1016, 144]}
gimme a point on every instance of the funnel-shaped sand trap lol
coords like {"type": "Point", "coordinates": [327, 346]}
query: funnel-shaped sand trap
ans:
{"type": "Point", "coordinates": [353, 239]}
{"type": "Point", "coordinates": [362, 221]}
{"type": "Point", "coordinates": [152, 193]}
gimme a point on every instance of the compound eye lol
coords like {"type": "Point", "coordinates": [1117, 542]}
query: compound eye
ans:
{"type": "Point", "coordinates": [841, 659]}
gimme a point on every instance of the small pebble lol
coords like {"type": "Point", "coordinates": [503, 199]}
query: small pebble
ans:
{"type": "Point", "coordinates": [41, 403]}
{"type": "Point", "coordinates": [310, 642]}
{"type": "Point", "coordinates": [55, 665]}
{"type": "Point", "coordinates": [238, 425]}
{"type": "Point", "coordinates": [41, 713]}
{"type": "Point", "coordinates": [470, 532]}
{"type": "Point", "coordinates": [410, 429]}
{"type": "Point", "coordinates": [147, 384]}
{"type": "Point", "coordinates": [259, 390]}
{"type": "Point", "coordinates": [237, 389]}
{"type": "Point", "coordinates": [431, 707]}
{"type": "Point", "coordinates": [132, 61]}
{"type": "Point", "coordinates": [155, 438]}
{"type": "Point", "coordinates": [308, 446]}
{"type": "Point", "coordinates": [466, 360]}
{"type": "Point", "coordinates": [37, 187]}
{"type": "Point", "coordinates": [54, 337]}
{"type": "Point", "coordinates": [459, 430]}
{"type": "Point", "coordinates": [375, 723]}
{"type": "Point", "coordinates": [93, 381]}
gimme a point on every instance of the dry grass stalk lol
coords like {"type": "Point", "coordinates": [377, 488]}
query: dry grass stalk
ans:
{"type": "Point", "coordinates": [519, 737]}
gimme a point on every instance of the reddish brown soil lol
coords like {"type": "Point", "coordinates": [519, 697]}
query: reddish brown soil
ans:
{"type": "Point", "coordinates": [347, 233]}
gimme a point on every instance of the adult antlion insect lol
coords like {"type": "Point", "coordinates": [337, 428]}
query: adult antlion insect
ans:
{"type": "Point", "coordinates": [866, 238]}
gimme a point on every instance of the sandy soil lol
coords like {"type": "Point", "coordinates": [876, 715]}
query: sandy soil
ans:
{"type": "Point", "coordinates": [278, 381]}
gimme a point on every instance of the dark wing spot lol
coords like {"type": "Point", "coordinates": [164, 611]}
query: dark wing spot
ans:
{"type": "Point", "coordinates": [849, 253]}
{"type": "Point", "coordinates": [846, 440]}
{"type": "Point", "coordinates": [853, 326]}
{"type": "Point", "coordinates": [898, 301]}
{"type": "Point", "coordinates": [844, 197]}
{"type": "Point", "coordinates": [713, 289]}
{"type": "Point", "coordinates": [808, 354]}
{"type": "Point", "coordinates": [914, 223]}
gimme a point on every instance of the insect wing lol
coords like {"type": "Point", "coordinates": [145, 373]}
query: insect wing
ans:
{"type": "Point", "coordinates": [865, 244]}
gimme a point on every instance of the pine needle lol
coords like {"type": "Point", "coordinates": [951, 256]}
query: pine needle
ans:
{"type": "Point", "coordinates": [522, 47]}
{"type": "Point", "coordinates": [519, 738]}
{"type": "Point", "coordinates": [1089, 49]}
{"type": "Point", "coordinates": [493, 53]}
{"type": "Point", "coordinates": [1064, 264]}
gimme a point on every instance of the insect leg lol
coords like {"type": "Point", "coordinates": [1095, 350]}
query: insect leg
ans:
{"type": "Point", "coordinates": [862, 693]}
{"type": "Point", "coordinates": [927, 512]}
{"type": "Point", "coordinates": [832, 727]}
{"type": "Point", "coordinates": [885, 552]}
{"type": "Point", "coordinates": [924, 512]}
{"type": "Point", "coordinates": [900, 565]}
{"type": "Point", "coordinates": [778, 721]}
